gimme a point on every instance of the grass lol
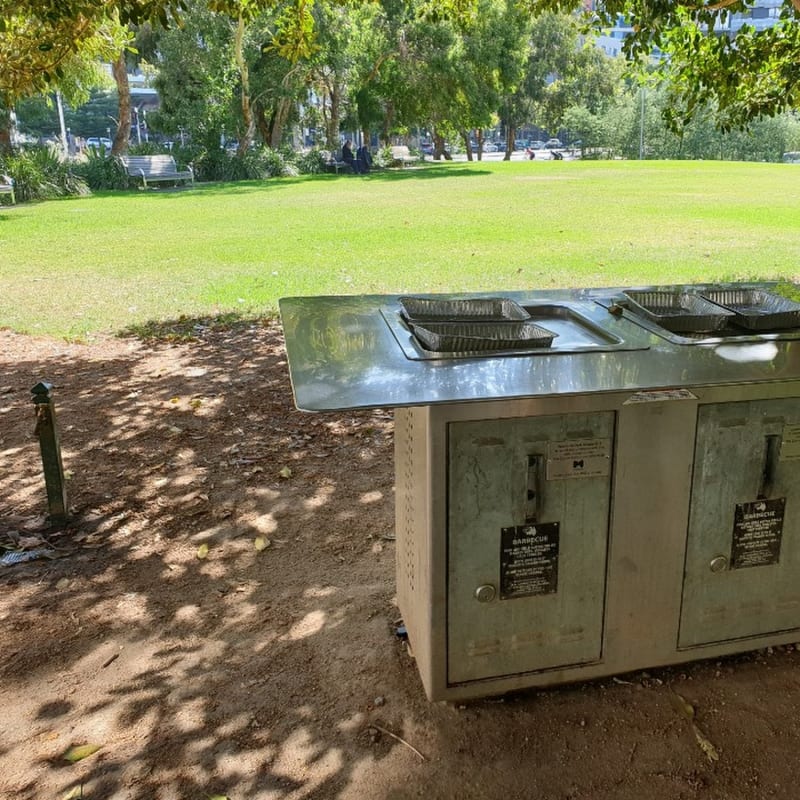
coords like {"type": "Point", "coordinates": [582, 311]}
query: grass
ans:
{"type": "Point", "coordinates": [75, 267]}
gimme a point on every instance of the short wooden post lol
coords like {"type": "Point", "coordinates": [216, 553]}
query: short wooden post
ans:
{"type": "Point", "coordinates": [47, 431]}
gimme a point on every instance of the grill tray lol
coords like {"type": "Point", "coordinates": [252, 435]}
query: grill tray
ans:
{"type": "Point", "coordinates": [483, 309]}
{"type": "Point", "coordinates": [757, 309]}
{"type": "Point", "coordinates": [678, 311]}
{"type": "Point", "coordinates": [455, 337]}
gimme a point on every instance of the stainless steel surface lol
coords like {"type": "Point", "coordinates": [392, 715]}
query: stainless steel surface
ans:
{"type": "Point", "coordinates": [756, 341]}
{"type": "Point", "coordinates": [342, 354]}
{"type": "Point", "coordinates": [571, 515]}
{"type": "Point", "coordinates": [656, 570]}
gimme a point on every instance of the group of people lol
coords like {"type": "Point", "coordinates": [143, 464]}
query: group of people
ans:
{"type": "Point", "coordinates": [361, 161]}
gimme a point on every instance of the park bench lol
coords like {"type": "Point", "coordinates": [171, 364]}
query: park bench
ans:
{"type": "Point", "coordinates": [7, 187]}
{"type": "Point", "coordinates": [402, 156]}
{"type": "Point", "coordinates": [155, 169]}
{"type": "Point", "coordinates": [333, 161]}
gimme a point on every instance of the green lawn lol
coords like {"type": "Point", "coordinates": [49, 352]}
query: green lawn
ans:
{"type": "Point", "coordinates": [78, 266]}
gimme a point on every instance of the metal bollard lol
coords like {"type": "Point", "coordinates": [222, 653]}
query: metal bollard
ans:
{"type": "Point", "coordinates": [47, 431]}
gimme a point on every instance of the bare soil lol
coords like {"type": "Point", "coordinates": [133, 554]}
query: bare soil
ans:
{"type": "Point", "coordinates": [218, 615]}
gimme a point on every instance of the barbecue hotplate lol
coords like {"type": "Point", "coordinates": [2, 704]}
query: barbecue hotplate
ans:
{"type": "Point", "coordinates": [709, 315]}
{"type": "Point", "coordinates": [435, 328]}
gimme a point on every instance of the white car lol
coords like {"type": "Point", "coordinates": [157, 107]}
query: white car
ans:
{"type": "Point", "coordinates": [99, 142]}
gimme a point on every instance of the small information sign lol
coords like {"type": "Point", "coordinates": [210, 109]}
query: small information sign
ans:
{"type": "Point", "coordinates": [578, 458]}
{"type": "Point", "coordinates": [790, 446]}
{"type": "Point", "coordinates": [757, 533]}
{"type": "Point", "coordinates": [529, 560]}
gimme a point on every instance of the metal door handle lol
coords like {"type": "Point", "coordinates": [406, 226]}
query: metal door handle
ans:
{"type": "Point", "coordinates": [771, 456]}
{"type": "Point", "coordinates": [533, 501]}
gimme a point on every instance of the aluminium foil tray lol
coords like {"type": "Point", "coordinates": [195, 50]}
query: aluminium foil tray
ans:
{"type": "Point", "coordinates": [679, 311]}
{"type": "Point", "coordinates": [756, 309]}
{"type": "Point", "coordinates": [480, 309]}
{"type": "Point", "coordinates": [456, 337]}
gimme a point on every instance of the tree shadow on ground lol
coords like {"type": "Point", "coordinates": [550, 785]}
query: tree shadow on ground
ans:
{"type": "Point", "coordinates": [260, 673]}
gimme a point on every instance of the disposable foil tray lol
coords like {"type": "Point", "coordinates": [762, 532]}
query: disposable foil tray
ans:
{"type": "Point", "coordinates": [481, 309]}
{"type": "Point", "coordinates": [679, 311]}
{"type": "Point", "coordinates": [457, 337]}
{"type": "Point", "coordinates": [757, 309]}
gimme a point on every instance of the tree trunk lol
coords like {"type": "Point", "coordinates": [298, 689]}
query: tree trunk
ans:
{"type": "Point", "coordinates": [119, 69]}
{"type": "Point", "coordinates": [465, 137]}
{"type": "Point", "coordinates": [439, 150]}
{"type": "Point", "coordinates": [248, 121]}
{"type": "Point", "coordinates": [388, 120]}
{"type": "Point", "coordinates": [282, 112]}
{"type": "Point", "coordinates": [511, 135]}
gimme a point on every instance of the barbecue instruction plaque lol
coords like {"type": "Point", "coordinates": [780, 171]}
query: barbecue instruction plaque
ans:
{"type": "Point", "coordinates": [790, 446]}
{"type": "Point", "coordinates": [529, 560]}
{"type": "Point", "coordinates": [578, 458]}
{"type": "Point", "coordinates": [757, 533]}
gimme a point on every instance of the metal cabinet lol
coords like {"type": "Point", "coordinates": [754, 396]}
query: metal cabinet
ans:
{"type": "Point", "coordinates": [528, 516]}
{"type": "Point", "coordinates": [742, 574]}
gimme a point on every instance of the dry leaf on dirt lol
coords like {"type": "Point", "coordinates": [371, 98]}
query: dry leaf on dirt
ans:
{"type": "Point", "coordinates": [79, 752]}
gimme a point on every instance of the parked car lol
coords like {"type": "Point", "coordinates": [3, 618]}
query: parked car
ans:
{"type": "Point", "coordinates": [520, 144]}
{"type": "Point", "coordinates": [536, 144]}
{"type": "Point", "coordinates": [99, 142]}
{"type": "Point", "coordinates": [489, 147]}
{"type": "Point", "coordinates": [552, 144]}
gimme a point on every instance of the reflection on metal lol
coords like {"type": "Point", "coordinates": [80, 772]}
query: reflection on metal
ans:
{"type": "Point", "coordinates": [356, 352]}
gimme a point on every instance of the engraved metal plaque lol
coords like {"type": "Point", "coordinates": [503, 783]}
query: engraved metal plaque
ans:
{"type": "Point", "coordinates": [757, 533]}
{"type": "Point", "coordinates": [790, 447]}
{"type": "Point", "coordinates": [578, 458]}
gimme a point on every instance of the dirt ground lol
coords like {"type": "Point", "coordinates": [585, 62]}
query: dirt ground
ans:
{"type": "Point", "coordinates": [218, 615]}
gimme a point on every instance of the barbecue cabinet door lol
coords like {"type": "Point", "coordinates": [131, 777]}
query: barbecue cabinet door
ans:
{"type": "Point", "coordinates": [742, 573]}
{"type": "Point", "coordinates": [528, 518]}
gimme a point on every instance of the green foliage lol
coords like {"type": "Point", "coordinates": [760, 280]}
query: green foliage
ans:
{"type": "Point", "coordinates": [277, 163]}
{"type": "Point", "coordinates": [311, 163]}
{"type": "Point", "coordinates": [39, 174]}
{"type": "Point", "coordinates": [101, 172]}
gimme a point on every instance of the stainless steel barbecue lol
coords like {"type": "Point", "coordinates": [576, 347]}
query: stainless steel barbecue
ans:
{"type": "Point", "coordinates": [589, 501]}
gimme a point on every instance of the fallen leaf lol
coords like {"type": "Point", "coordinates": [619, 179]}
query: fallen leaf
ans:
{"type": "Point", "coordinates": [196, 403]}
{"type": "Point", "coordinates": [79, 752]}
{"type": "Point", "coordinates": [202, 551]}
{"type": "Point", "coordinates": [681, 705]}
{"type": "Point", "coordinates": [705, 744]}
{"type": "Point", "coordinates": [285, 473]}
{"type": "Point", "coordinates": [261, 543]}
{"type": "Point", "coordinates": [63, 583]}
{"type": "Point", "coordinates": [174, 399]}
